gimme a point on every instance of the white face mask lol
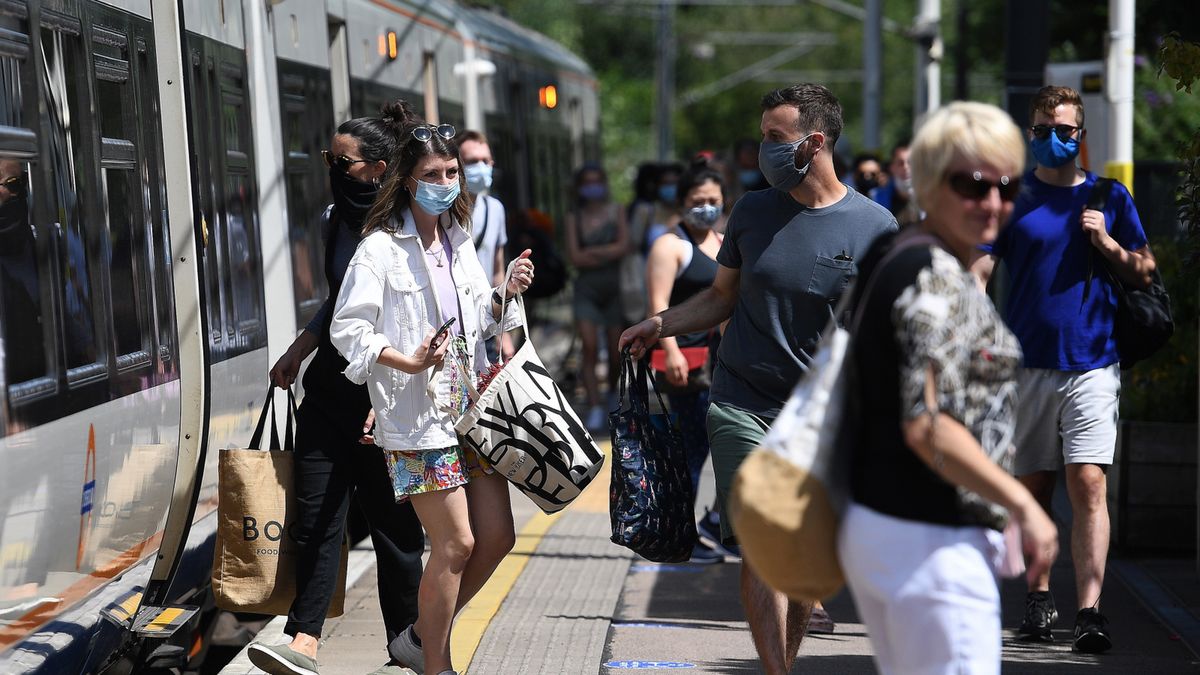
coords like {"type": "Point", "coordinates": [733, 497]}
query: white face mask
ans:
{"type": "Point", "coordinates": [702, 217]}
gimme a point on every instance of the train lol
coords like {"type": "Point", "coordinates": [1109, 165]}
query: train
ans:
{"type": "Point", "coordinates": [161, 188]}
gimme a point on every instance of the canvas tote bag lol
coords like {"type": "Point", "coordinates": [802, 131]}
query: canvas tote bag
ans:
{"type": "Point", "coordinates": [254, 563]}
{"type": "Point", "coordinates": [523, 426]}
{"type": "Point", "coordinates": [789, 493]}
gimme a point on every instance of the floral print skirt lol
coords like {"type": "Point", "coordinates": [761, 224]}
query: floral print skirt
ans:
{"type": "Point", "coordinates": [415, 472]}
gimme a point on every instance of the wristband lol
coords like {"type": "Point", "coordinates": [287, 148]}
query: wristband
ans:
{"type": "Point", "coordinates": [496, 298]}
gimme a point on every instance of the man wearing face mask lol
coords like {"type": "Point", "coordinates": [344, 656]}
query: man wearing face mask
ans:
{"type": "Point", "coordinates": [489, 226]}
{"type": "Point", "coordinates": [1061, 306]}
{"type": "Point", "coordinates": [896, 194]}
{"type": "Point", "coordinates": [788, 254]}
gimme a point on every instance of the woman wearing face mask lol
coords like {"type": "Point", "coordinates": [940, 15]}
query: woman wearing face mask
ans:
{"type": "Point", "coordinates": [597, 239]}
{"type": "Point", "coordinates": [683, 262]}
{"type": "Point", "coordinates": [666, 208]}
{"type": "Point", "coordinates": [415, 294]}
{"type": "Point", "coordinates": [332, 461]}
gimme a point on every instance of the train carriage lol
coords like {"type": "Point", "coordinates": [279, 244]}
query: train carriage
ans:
{"type": "Point", "coordinates": [162, 242]}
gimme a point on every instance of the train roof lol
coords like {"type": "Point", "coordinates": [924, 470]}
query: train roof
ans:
{"type": "Point", "coordinates": [496, 32]}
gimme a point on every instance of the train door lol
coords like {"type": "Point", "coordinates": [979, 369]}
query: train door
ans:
{"type": "Point", "coordinates": [225, 191]}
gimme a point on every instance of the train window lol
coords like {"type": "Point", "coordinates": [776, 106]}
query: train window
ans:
{"type": "Point", "coordinates": [129, 285]}
{"type": "Point", "coordinates": [243, 260]}
{"type": "Point", "coordinates": [63, 63]}
{"type": "Point", "coordinates": [20, 279]}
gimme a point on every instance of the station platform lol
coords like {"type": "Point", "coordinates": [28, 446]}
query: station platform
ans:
{"type": "Point", "coordinates": [569, 601]}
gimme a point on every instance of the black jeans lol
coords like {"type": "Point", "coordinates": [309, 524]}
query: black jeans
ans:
{"type": "Point", "coordinates": [330, 464]}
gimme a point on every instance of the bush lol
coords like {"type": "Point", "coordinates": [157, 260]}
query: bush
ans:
{"type": "Point", "coordinates": [1163, 388]}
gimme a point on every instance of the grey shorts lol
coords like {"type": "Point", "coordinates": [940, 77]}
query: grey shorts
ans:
{"type": "Point", "coordinates": [1067, 417]}
{"type": "Point", "coordinates": [732, 434]}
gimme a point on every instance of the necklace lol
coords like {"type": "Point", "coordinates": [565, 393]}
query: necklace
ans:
{"type": "Point", "coordinates": [436, 251]}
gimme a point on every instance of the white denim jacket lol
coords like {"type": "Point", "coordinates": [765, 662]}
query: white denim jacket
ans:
{"type": "Point", "coordinates": [388, 299]}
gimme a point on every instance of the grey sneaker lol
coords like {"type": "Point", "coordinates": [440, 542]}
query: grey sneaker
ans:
{"type": "Point", "coordinates": [406, 652]}
{"type": "Point", "coordinates": [281, 660]}
{"type": "Point", "coordinates": [391, 669]}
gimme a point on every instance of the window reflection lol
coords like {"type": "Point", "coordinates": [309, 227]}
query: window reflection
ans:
{"type": "Point", "coordinates": [243, 271]}
{"type": "Point", "coordinates": [127, 293]}
{"type": "Point", "coordinates": [10, 93]}
{"type": "Point", "coordinates": [22, 298]}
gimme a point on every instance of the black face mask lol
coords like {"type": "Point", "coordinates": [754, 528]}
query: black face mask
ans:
{"type": "Point", "coordinates": [352, 199]}
{"type": "Point", "coordinates": [14, 215]}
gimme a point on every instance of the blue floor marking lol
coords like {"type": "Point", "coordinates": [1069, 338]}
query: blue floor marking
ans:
{"type": "Point", "coordinates": [648, 665]}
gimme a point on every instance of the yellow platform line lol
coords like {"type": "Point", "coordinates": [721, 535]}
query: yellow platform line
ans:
{"type": "Point", "coordinates": [474, 619]}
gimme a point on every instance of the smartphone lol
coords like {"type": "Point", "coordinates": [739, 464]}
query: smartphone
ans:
{"type": "Point", "coordinates": [441, 332]}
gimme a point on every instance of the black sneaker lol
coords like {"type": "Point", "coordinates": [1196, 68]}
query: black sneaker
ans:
{"type": "Point", "coordinates": [1040, 616]}
{"type": "Point", "coordinates": [703, 554]}
{"type": "Point", "coordinates": [709, 528]}
{"type": "Point", "coordinates": [1091, 634]}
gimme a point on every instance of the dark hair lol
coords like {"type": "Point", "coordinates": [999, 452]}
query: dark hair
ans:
{"type": "Point", "coordinates": [1050, 97]}
{"type": "Point", "coordinates": [902, 145]}
{"type": "Point", "coordinates": [700, 172]}
{"type": "Point", "coordinates": [394, 196]}
{"type": "Point", "coordinates": [865, 157]}
{"type": "Point", "coordinates": [669, 167]}
{"type": "Point", "coordinates": [470, 135]}
{"type": "Point", "coordinates": [645, 185]}
{"type": "Point", "coordinates": [819, 109]}
{"type": "Point", "coordinates": [378, 137]}
{"type": "Point", "coordinates": [577, 179]}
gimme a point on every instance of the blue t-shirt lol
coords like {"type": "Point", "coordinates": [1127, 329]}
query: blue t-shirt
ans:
{"type": "Point", "coordinates": [1048, 256]}
{"type": "Point", "coordinates": [794, 263]}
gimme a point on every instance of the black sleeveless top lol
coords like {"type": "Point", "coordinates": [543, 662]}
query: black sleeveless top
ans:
{"type": "Point", "coordinates": [697, 276]}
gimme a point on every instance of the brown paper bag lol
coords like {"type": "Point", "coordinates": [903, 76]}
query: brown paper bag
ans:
{"type": "Point", "coordinates": [255, 560]}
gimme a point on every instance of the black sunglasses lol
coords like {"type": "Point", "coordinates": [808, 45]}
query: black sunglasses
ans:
{"type": "Point", "coordinates": [342, 162]}
{"type": "Point", "coordinates": [973, 186]}
{"type": "Point", "coordinates": [425, 132]}
{"type": "Point", "coordinates": [1064, 131]}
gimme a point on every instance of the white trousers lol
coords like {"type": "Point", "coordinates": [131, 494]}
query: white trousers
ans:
{"type": "Point", "coordinates": [927, 593]}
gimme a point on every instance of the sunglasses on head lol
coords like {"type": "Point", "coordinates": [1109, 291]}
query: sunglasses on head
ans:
{"type": "Point", "coordinates": [1063, 131]}
{"type": "Point", "coordinates": [425, 132]}
{"type": "Point", "coordinates": [974, 186]}
{"type": "Point", "coordinates": [342, 162]}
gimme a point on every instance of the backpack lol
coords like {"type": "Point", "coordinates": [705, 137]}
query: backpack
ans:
{"type": "Point", "coordinates": [550, 271]}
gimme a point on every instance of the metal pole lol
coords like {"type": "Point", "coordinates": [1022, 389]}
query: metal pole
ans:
{"type": "Point", "coordinates": [1027, 45]}
{"type": "Point", "coordinates": [666, 79]}
{"type": "Point", "coordinates": [961, 67]}
{"type": "Point", "coordinates": [929, 54]}
{"type": "Point", "coordinates": [872, 73]}
{"type": "Point", "coordinates": [1118, 74]}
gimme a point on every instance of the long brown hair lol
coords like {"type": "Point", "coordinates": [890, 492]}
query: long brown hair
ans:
{"type": "Point", "coordinates": [393, 196]}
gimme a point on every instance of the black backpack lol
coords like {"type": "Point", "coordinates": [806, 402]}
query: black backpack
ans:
{"type": "Point", "coordinates": [550, 272]}
{"type": "Point", "coordinates": [1143, 323]}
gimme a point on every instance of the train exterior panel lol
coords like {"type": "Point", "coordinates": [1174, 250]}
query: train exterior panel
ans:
{"type": "Point", "coordinates": [94, 388]}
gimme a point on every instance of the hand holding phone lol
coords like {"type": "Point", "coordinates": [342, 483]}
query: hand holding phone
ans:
{"type": "Point", "coordinates": [442, 332]}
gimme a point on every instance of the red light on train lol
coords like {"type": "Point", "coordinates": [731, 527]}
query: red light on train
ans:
{"type": "Point", "coordinates": [548, 97]}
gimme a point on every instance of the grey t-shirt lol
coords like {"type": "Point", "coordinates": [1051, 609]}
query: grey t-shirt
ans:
{"type": "Point", "coordinates": [795, 261]}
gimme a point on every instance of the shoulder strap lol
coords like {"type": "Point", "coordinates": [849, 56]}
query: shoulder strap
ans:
{"type": "Point", "coordinates": [483, 230]}
{"type": "Point", "coordinates": [1097, 201]}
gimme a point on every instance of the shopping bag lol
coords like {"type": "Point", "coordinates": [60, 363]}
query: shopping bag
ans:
{"type": "Point", "coordinates": [255, 558]}
{"type": "Point", "coordinates": [789, 493]}
{"type": "Point", "coordinates": [522, 425]}
{"type": "Point", "coordinates": [650, 494]}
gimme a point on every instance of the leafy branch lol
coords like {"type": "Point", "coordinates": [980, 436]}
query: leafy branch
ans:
{"type": "Point", "coordinates": [1180, 60]}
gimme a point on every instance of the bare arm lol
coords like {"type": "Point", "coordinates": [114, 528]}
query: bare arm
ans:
{"type": "Point", "coordinates": [953, 453]}
{"type": "Point", "coordinates": [701, 312]}
{"type": "Point", "coordinates": [1133, 267]}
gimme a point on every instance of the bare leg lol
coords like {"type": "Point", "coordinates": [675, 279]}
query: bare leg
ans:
{"type": "Point", "coordinates": [1087, 488]}
{"type": "Point", "coordinates": [1041, 485]}
{"type": "Point", "coordinates": [492, 524]}
{"type": "Point", "coordinates": [588, 354]}
{"type": "Point", "coordinates": [776, 627]}
{"type": "Point", "coordinates": [305, 644]}
{"type": "Point", "coordinates": [443, 513]}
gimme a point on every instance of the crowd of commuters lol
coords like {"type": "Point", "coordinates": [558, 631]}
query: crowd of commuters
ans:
{"type": "Point", "coordinates": [723, 274]}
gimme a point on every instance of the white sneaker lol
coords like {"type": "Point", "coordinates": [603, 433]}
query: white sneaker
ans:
{"type": "Point", "coordinates": [406, 652]}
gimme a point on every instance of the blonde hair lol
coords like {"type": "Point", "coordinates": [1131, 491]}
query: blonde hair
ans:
{"type": "Point", "coordinates": [966, 130]}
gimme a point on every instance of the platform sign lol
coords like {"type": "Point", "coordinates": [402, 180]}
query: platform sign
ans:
{"type": "Point", "coordinates": [648, 665]}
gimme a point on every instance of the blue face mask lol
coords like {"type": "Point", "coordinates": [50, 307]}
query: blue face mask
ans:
{"type": "Point", "coordinates": [479, 177]}
{"type": "Point", "coordinates": [1052, 152]}
{"type": "Point", "coordinates": [593, 192]}
{"type": "Point", "coordinates": [702, 217]}
{"type": "Point", "coordinates": [777, 161]}
{"type": "Point", "coordinates": [748, 177]}
{"type": "Point", "coordinates": [435, 199]}
{"type": "Point", "coordinates": [667, 193]}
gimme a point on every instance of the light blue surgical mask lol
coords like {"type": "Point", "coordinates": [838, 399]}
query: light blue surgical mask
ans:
{"type": "Point", "coordinates": [479, 177]}
{"type": "Point", "coordinates": [748, 177]}
{"type": "Point", "coordinates": [777, 161]}
{"type": "Point", "coordinates": [702, 217]}
{"type": "Point", "coordinates": [435, 199]}
{"type": "Point", "coordinates": [667, 193]}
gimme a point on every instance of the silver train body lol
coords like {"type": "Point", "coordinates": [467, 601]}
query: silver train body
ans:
{"type": "Point", "coordinates": [160, 192]}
